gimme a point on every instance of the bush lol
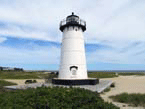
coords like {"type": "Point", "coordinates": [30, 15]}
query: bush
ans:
{"type": "Point", "coordinates": [34, 81]}
{"type": "Point", "coordinates": [107, 89]}
{"type": "Point", "coordinates": [54, 98]}
{"type": "Point", "coordinates": [28, 81]}
{"type": "Point", "coordinates": [135, 99]}
{"type": "Point", "coordinates": [112, 85]}
{"type": "Point", "coordinates": [2, 89]}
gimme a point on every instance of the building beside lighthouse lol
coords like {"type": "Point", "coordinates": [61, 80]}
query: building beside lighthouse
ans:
{"type": "Point", "coordinates": [73, 69]}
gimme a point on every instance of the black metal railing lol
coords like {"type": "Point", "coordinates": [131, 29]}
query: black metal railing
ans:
{"type": "Point", "coordinates": [72, 21]}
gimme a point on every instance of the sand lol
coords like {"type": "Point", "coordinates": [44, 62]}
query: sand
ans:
{"type": "Point", "coordinates": [129, 84]}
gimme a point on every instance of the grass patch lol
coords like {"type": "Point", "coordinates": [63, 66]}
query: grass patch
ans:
{"type": "Point", "coordinates": [21, 75]}
{"type": "Point", "coordinates": [53, 98]}
{"type": "Point", "coordinates": [133, 73]}
{"type": "Point", "coordinates": [42, 75]}
{"type": "Point", "coordinates": [6, 83]}
{"type": "Point", "coordinates": [135, 99]}
{"type": "Point", "coordinates": [107, 89]}
{"type": "Point", "coordinates": [102, 74]}
{"type": "Point", "coordinates": [49, 77]}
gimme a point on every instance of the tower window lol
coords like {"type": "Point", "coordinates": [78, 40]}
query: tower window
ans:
{"type": "Point", "coordinates": [73, 70]}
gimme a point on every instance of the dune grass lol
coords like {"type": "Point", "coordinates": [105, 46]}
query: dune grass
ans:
{"type": "Point", "coordinates": [21, 75]}
{"type": "Point", "coordinates": [53, 98]}
{"type": "Point", "coordinates": [40, 75]}
{"type": "Point", "coordinates": [102, 74]}
{"type": "Point", "coordinates": [135, 99]}
{"type": "Point", "coordinates": [6, 83]}
{"type": "Point", "coordinates": [133, 73]}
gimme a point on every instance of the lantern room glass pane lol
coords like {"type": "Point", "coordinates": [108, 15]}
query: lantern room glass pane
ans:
{"type": "Point", "coordinates": [72, 19]}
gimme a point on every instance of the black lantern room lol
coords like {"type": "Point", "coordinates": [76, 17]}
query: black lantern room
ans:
{"type": "Point", "coordinates": [72, 20]}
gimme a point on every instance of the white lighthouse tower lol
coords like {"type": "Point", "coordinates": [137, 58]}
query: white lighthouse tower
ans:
{"type": "Point", "coordinates": [73, 70]}
{"type": "Point", "coordinates": [73, 59]}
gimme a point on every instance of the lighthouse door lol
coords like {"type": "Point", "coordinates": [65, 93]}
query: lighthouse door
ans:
{"type": "Point", "coordinates": [73, 70]}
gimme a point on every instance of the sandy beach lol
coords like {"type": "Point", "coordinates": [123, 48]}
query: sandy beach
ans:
{"type": "Point", "coordinates": [129, 84]}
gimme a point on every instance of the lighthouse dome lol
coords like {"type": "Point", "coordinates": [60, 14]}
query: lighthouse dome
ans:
{"type": "Point", "coordinates": [72, 20]}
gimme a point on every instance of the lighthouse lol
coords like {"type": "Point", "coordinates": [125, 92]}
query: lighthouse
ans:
{"type": "Point", "coordinates": [73, 69]}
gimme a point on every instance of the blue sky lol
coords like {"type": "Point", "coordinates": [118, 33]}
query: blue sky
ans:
{"type": "Point", "coordinates": [30, 35]}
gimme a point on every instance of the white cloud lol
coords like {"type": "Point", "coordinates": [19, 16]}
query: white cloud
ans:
{"type": "Point", "coordinates": [133, 53]}
{"type": "Point", "coordinates": [2, 39]}
{"type": "Point", "coordinates": [30, 33]}
{"type": "Point", "coordinates": [106, 19]}
{"type": "Point", "coordinates": [116, 20]}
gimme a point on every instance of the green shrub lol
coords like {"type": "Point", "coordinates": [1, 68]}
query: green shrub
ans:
{"type": "Point", "coordinates": [135, 99]}
{"type": "Point", "coordinates": [112, 85]}
{"type": "Point", "coordinates": [34, 81]}
{"type": "Point", "coordinates": [28, 81]}
{"type": "Point", "coordinates": [107, 89]}
{"type": "Point", "coordinates": [2, 89]}
{"type": "Point", "coordinates": [53, 98]}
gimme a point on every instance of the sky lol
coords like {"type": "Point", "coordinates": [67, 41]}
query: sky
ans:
{"type": "Point", "coordinates": [114, 40]}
